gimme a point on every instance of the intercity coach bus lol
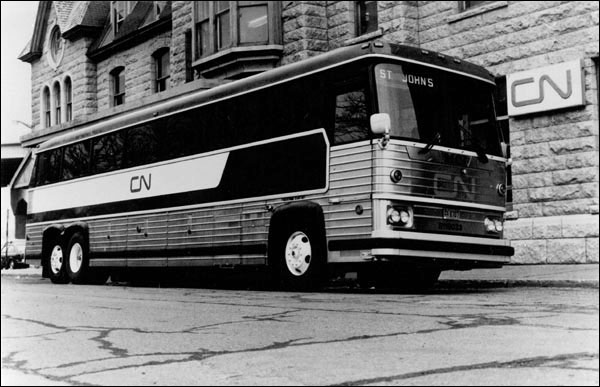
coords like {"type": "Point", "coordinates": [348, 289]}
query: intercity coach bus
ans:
{"type": "Point", "coordinates": [378, 157]}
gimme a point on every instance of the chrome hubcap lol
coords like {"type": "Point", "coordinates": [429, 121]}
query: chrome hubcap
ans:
{"type": "Point", "coordinates": [56, 259]}
{"type": "Point", "coordinates": [298, 253]}
{"type": "Point", "coordinates": [76, 257]}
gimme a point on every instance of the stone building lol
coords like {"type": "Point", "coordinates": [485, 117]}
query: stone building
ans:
{"type": "Point", "coordinates": [93, 59]}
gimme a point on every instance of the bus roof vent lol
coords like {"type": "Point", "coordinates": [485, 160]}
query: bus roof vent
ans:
{"type": "Point", "coordinates": [378, 44]}
{"type": "Point", "coordinates": [441, 56]}
{"type": "Point", "coordinates": [424, 52]}
{"type": "Point", "coordinates": [456, 60]}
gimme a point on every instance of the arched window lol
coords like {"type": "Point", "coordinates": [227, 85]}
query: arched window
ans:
{"type": "Point", "coordinates": [68, 99]}
{"type": "Point", "coordinates": [56, 97]}
{"type": "Point", "coordinates": [161, 70]}
{"type": "Point", "coordinates": [46, 107]}
{"type": "Point", "coordinates": [117, 80]}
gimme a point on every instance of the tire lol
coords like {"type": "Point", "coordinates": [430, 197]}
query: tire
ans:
{"type": "Point", "coordinates": [78, 263]}
{"type": "Point", "coordinates": [57, 263]}
{"type": "Point", "coordinates": [298, 257]}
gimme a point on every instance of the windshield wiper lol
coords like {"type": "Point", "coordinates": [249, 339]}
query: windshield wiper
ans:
{"type": "Point", "coordinates": [435, 140]}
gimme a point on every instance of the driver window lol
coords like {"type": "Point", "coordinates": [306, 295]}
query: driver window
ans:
{"type": "Point", "coordinates": [351, 116]}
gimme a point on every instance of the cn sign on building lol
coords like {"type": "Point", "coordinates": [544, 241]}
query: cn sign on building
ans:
{"type": "Point", "coordinates": [547, 88]}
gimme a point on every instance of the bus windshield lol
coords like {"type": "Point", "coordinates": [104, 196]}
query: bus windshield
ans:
{"type": "Point", "coordinates": [437, 107]}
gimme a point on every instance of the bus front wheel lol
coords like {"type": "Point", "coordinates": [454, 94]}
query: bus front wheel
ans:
{"type": "Point", "coordinates": [298, 258]}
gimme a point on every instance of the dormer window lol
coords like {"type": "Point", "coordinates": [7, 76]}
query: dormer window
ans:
{"type": "Point", "coordinates": [119, 11]}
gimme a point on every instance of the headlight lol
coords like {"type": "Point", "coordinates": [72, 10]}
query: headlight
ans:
{"type": "Point", "coordinates": [493, 225]}
{"type": "Point", "coordinates": [396, 175]}
{"type": "Point", "coordinates": [400, 216]}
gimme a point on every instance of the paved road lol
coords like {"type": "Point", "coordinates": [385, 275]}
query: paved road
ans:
{"type": "Point", "coordinates": [113, 335]}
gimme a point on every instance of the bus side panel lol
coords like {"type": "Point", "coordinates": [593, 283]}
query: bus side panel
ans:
{"type": "Point", "coordinates": [33, 245]}
{"type": "Point", "coordinates": [347, 210]}
{"type": "Point", "coordinates": [145, 233]}
{"type": "Point", "coordinates": [108, 241]}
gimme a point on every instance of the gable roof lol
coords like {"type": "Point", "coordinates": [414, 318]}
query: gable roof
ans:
{"type": "Point", "coordinates": [71, 17]}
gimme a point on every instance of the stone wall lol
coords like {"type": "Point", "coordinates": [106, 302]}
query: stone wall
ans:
{"type": "Point", "coordinates": [74, 64]}
{"type": "Point", "coordinates": [555, 169]}
{"type": "Point", "coordinates": [181, 12]}
{"type": "Point", "coordinates": [304, 30]}
{"type": "Point", "coordinates": [139, 70]}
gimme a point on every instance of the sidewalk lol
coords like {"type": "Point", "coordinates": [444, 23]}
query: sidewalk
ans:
{"type": "Point", "coordinates": [565, 275]}
{"type": "Point", "coordinates": [576, 275]}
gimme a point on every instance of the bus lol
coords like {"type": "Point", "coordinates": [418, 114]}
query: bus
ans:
{"type": "Point", "coordinates": [377, 158]}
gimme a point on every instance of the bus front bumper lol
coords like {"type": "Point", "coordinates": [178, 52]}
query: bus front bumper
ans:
{"type": "Point", "coordinates": [386, 248]}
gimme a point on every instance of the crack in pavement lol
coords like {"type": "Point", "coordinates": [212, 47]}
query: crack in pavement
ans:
{"type": "Point", "coordinates": [538, 361]}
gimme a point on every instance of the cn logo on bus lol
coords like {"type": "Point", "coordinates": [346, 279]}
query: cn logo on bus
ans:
{"type": "Point", "coordinates": [138, 182]}
{"type": "Point", "coordinates": [454, 187]}
{"type": "Point", "coordinates": [547, 88]}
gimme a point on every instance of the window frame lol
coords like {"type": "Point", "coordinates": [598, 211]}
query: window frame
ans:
{"type": "Point", "coordinates": [68, 86]}
{"type": "Point", "coordinates": [56, 99]}
{"type": "Point", "coordinates": [117, 77]}
{"type": "Point", "coordinates": [358, 18]}
{"type": "Point", "coordinates": [46, 108]}
{"type": "Point", "coordinates": [273, 27]}
{"type": "Point", "coordinates": [161, 79]}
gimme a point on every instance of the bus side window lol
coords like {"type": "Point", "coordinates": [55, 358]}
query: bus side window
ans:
{"type": "Point", "coordinates": [49, 166]}
{"type": "Point", "coordinates": [76, 160]}
{"type": "Point", "coordinates": [142, 146]}
{"type": "Point", "coordinates": [351, 116]}
{"type": "Point", "coordinates": [108, 152]}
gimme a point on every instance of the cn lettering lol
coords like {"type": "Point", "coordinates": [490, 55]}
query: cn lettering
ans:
{"type": "Point", "coordinates": [138, 182]}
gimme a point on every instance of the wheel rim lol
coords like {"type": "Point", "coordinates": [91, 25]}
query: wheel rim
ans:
{"type": "Point", "coordinates": [56, 259]}
{"type": "Point", "coordinates": [298, 253]}
{"type": "Point", "coordinates": [76, 257]}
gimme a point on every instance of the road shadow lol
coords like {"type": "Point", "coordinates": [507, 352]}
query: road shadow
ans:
{"type": "Point", "coordinates": [255, 279]}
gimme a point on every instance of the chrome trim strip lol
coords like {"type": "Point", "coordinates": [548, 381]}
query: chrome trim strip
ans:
{"type": "Point", "coordinates": [386, 196]}
{"type": "Point", "coordinates": [440, 254]}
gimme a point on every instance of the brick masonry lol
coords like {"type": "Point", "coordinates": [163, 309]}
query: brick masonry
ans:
{"type": "Point", "coordinates": [555, 155]}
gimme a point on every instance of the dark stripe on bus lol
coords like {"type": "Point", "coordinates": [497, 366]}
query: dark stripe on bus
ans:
{"type": "Point", "coordinates": [287, 166]}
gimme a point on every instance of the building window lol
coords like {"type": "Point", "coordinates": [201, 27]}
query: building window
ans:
{"type": "Point", "coordinates": [464, 5]}
{"type": "Point", "coordinates": [55, 47]}
{"type": "Point", "coordinates": [56, 96]}
{"type": "Point", "coordinates": [159, 6]}
{"type": "Point", "coordinates": [366, 17]}
{"type": "Point", "coordinates": [219, 25]}
{"type": "Point", "coordinates": [46, 107]}
{"type": "Point", "coordinates": [161, 70]}
{"type": "Point", "coordinates": [68, 99]}
{"type": "Point", "coordinates": [119, 11]}
{"type": "Point", "coordinates": [117, 77]}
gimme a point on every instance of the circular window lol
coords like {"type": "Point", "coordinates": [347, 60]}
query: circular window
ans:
{"type": "Point", "coordinates": [56, 44]}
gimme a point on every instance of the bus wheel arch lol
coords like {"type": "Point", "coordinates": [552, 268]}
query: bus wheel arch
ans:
{"type": "Point", "coordinates": [297, 249]}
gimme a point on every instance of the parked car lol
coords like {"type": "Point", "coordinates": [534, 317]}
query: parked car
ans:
{"type": "Point", "coordinates": [13, 254]}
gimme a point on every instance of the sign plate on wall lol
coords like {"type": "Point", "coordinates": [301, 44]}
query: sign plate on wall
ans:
{"type": "Point", "coordinates": [546, 88]}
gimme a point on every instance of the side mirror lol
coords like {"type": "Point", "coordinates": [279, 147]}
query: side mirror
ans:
{"type": "Point", "coordinates": [380, 125]}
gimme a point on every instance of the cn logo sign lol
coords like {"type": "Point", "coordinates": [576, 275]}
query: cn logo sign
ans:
{"type": "Point", "coordinates": [138, 182]}
{"type": "Point", "coordinates": [547, 88]}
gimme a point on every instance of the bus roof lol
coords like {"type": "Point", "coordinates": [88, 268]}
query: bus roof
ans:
{"type": "Point", "coordinates": [278, 75]}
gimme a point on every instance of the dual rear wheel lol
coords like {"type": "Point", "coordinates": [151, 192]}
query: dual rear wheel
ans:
{"type": "Point", "coordinates": [71, 264]}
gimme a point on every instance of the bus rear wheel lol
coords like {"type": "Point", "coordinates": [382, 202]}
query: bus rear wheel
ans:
{"type": "Point", "coordinates": [78, 263]}
{"type": "Point", "coordinates": [57, 263]}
